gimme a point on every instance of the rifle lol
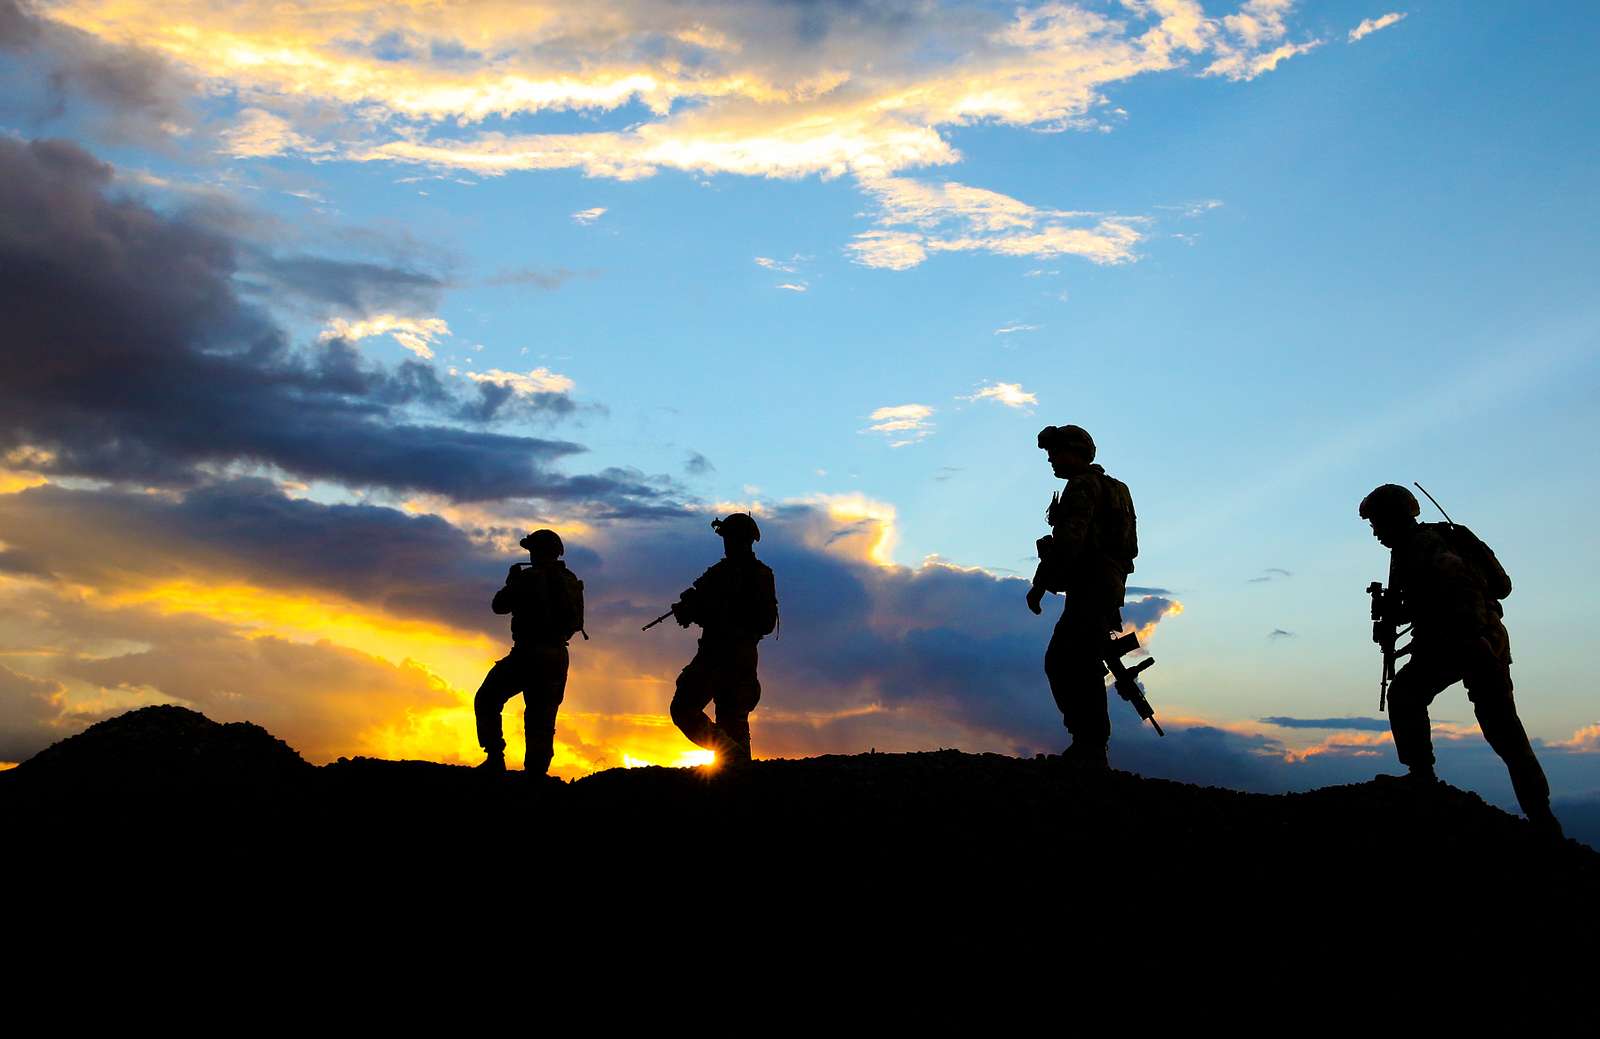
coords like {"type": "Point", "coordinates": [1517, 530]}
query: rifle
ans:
{"type": "Point", "coordinates": [658, 620]}
{"type": "Point", "coordinates": [1385, 632]}
{"type": "Point", "coordinates": [1127, 688]}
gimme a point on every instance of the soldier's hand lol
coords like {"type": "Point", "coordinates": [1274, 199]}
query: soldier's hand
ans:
{"type": "Point", "coordinates": [511, 575]}
{"type": "Point", "coordinates": [680, 613]}
{"type": "Point", "coordinates": [1035, 597]}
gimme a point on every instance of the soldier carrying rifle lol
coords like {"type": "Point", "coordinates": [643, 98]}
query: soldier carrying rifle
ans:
{"type": "Point", "coordinates": [1447, 584]}
{"type": "Point", "coordinates": [735, 602]}
{"type": "Point", "coordinates": [1088, 555]}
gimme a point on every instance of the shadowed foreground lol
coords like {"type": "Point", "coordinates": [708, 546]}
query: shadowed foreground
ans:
{"type": "Point", "coordinates": [165, 777]}
{"type": "Point", "coordinates": [939, 858]}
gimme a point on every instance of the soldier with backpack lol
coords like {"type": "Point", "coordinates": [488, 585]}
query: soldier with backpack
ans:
{"type": "Point", "coordinates": [1447, 584]}
{"type": "Point", "coordinates": [545, 601]}
{"type": "Point", "coordinates": [1088, 555]}
{"type": "Point", "coordinates": [735, 602]}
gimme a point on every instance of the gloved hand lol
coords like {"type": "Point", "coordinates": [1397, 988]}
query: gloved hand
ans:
{"type": "Point", "coordinates": [1035, 597]}
{"type": "Point", "coordinates": [511, 575]}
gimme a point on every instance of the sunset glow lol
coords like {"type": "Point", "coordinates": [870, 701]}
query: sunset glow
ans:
{"type": "Point", "coordinates": [314, 311]}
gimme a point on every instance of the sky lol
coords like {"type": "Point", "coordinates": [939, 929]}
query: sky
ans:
{"type": "Point", "coordinates": [312, 310]}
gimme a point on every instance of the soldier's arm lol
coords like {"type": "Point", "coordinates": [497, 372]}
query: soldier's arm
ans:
{"type": "Point", "coordinates": [504, 599]}
{"type": "Point", "coordinates": [1073, 516]}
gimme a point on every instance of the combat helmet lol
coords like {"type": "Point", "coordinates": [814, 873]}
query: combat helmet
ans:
{"type": "Point", "coordinates": [740, 526]}
{"type": "Point", "coordinates": [1390, 501]}
{"type": "Point", "coordinates": [1067, 438]}
{"type": "Point", "coordinates": [544, 541]}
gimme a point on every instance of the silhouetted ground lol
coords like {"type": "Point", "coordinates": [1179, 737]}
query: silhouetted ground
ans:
{"type": "Point", "coordinates": [942, 839]}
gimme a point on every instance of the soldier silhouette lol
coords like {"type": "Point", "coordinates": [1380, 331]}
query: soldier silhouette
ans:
{"type": "Point", "coordinates": [1447, 585]}
{"type": "Point", "coordinates": [1088, 555]}
{"type": "Point", "coordinates": [735, 602]}
{"type": "Point", "coordinates": [545, 601]}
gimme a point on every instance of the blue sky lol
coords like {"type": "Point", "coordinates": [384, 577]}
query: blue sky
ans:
{"type": "Point", "coordinates": [1295, 265]}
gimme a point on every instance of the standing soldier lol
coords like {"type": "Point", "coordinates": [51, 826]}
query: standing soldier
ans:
{"type": "Point", "coordinates": [1088, 555]}
{"type": "Point", "coordinates": [735, 602]}
{"type": "Point", "coordinates": [1446, 584]}
{"type": "Point", "coordinates": [545, 601]}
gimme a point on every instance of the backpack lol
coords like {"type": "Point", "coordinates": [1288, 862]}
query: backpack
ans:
{"type": "Point", "coordinates": [1116, 527]}
{"type": "Point", "coordinates": [1480, 558]}
{"type": "Point", "coordinates": [554, 604]}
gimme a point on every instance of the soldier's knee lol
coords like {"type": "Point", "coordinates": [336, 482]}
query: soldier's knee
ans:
{"type": "Point", "coordinates": [683, 712]}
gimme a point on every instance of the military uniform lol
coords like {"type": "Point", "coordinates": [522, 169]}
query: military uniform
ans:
{"type": "Point", "coordinates": [735, 602]}
{"type": "Point", "coordinates": [545, 601]}
{"type": "Point", "coordinates": [1089, 555]}
{"type": "Point", "coordinates": [1457, 636]}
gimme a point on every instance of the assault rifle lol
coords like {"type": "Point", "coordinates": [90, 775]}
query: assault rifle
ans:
{"type": "Point", "coordinates": [1386, 632]}
{"type": "Point", "coordinates": [1127, 688]}
{"type": "Point", "coordinates": [658, 620]}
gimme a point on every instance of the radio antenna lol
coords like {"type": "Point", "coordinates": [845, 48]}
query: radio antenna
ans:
{"type": "Point", "coordinates": [1435, 501]}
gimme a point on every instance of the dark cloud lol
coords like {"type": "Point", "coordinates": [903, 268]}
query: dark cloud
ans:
{"type": "Point", "coordinates": [497, 402]}
{"type": "Point", "coordinates": [1357, 724]}
{"type": "Point", "coordinates": [139, 96]}
{"type": "Point", "coordinates": [698, 464]}
{"type": "Point", "coordinates": [132, 357]}
{"type": "Point", "coordinates": [1279, 633]}
{"type": "Point", "coordinates": [330, 287]}
{"type": "Point", "coordinates": [1271, 573]}
{"type": "Point", "coordinates": [946, 472]}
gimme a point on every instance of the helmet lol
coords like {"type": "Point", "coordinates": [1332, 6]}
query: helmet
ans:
{"type": "Point", "coordinates": [1388, 501]}
{"type": "Point", "coordinates": [740, 526]}
{"type": "Point", "coordinates": [543, 542]}
{"type": "Point", "coordinates": [1067, 438]}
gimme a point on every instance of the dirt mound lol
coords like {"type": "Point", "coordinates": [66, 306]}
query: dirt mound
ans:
{"type": "Point", "coordinates": [166, 753]}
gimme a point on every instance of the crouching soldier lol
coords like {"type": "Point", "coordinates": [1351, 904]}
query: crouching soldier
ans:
{"type": "Point", "coordinates": [1447, 584]}
{"type": "Point", "coordinates": [735, 602]}
{"type": "Point", "coordinates": [545, 601]}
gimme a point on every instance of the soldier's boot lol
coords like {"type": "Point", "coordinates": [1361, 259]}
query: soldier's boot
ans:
{"type": "Point", "coordinates": [494, 763]}
{"type": "Point", "coordinates": [1086, 757]}
{"type": "Point", "coordinates": [1422, 775]}
{"type": "Point", "coordinates": [729, 748]}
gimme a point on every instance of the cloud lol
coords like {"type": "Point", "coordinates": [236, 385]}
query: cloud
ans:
{"type": "Point", "coordinates": [1249, 44]}
{"type": "Point", "coordinates": [1010, 394]}
{"type": "Point", "coordinates": [763, 89]}
{"type": "Point", "coordinates": [954, 217]}
{"type": "Point", "coordinates": [539, 393]}
{"type": "Point", "coordinates": [133, 93]}
{"type": "Point", "coordinates": [588, 216]}
{"type": "Point", "coordinates": [1271, 573]}
{"type": "Point", "coordinates": [320, 285]}
{"type": "Point", "coordinates": [32, 710]}
{"type": "Point", "coordinates": [902, 423]}
{"type": "Point", "coordinates": [158, 370]}
{"type": "Point", "coordinates": [1358, 724]}
{"type": "Point", "coordinates": [539, 279]}
{"type": "Point", "coordinates": [1279, 633]}
{"type": "Point", "coordinates": [1006, 330]}
{"type": "Point", "coordinates": [787, 267]}
{"type": "Point", "coordinates": [889, 250]}
{"type": "Point", "coordinates": [1369, 26]}
{"type": "Point", "coordinates": [537, 381]}
{"type": "Point", "coordinates": [258, 134]}
{"type": "Point", "coordinates": [417, 334]}
{"type": "Point", "coordinates": [698, 464]}
{"type": "Point", "coordinates": [793, 287]}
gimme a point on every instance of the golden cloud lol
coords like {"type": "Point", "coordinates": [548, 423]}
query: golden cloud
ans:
{"type": "Point", "coordinates": [739, 89]}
